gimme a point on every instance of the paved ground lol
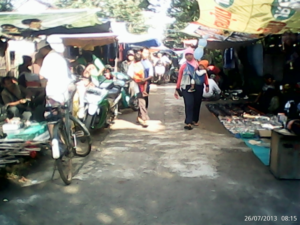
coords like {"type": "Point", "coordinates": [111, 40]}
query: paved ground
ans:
{"type": "Point", "coordinates": [158, 176]}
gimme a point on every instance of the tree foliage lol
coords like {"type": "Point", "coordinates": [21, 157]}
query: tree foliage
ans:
{"type": "Point", "coordinates": [130, 11]}
{"type": "Point", "coordinates": [183, 12]}
{"type": "Point", "coordinates": [5, 6]}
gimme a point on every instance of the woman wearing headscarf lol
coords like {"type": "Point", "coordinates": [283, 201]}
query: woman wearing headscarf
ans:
{"type": "Point", "coordinates": [192, 100]}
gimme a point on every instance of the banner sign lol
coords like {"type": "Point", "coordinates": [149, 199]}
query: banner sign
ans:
{"type": "Point", "coordinates": [212, 34]}
{"type": "Point", "coordinates": [255, 17]}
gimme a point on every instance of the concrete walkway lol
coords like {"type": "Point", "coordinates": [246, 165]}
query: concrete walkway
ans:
{"type": "Point", "coordinates": [159, 176]}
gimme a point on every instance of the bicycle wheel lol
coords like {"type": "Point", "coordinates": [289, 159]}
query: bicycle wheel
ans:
{"type": "Point", "coordinates": [64, 162]}
{"type": "Point", "coordinates": [81, 138]}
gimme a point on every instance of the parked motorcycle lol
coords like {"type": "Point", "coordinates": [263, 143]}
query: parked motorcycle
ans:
{"type": "Point", "coordinates": [173, 74]}
{"type": "Point", "coordinates": [129, 92]}
{"type": "Point", "coordinates": [101, 104]}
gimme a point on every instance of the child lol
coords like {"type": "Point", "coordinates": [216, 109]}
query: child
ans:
{"type": "Point", "coordinates": [199, 72]}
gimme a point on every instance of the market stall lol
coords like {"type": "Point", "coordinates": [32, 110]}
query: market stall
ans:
{"type": "Point", "coordinates": [247, 124]}
{"type": "Point", "coordinates": [77, 28]}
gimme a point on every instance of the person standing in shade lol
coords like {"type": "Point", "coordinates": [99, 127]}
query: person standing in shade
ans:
{"type": "Point", "coordinates": [192, 100]}
{"type": "Point", "coordinates": [148, 72]}
{"type": "Point", "coordinates": [126, 63]}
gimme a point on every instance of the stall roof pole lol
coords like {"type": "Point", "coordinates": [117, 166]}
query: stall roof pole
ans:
{"type": "Point", "coordinates": [117, 56]}
{"type": "Point", "coordinates": [7, 59]}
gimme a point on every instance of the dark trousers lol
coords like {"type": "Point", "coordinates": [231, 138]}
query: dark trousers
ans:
{"type": "Point", "coordinates": [147, 101]}
{"type": "Point", "coordinates": [192, 103]}
{"type": "Point", "coordinates": [143, 113]}
{"type": "Point", "coordinates": [147, 97]}
{"type": "Point", "coordinates": [15, 111]}
{"type": "Point", "coordinates": [39, 96]}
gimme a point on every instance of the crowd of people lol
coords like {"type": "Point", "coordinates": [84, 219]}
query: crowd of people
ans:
{"type": "Point", "coordinates": [37, 84]}
{"type": "Point", "coordinates": [197, 81]}
{"type": "Point", "coordinates": [23, 95]}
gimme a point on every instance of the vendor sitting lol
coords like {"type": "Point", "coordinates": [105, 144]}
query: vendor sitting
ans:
{"type": "Point", "coordinates": [15, 97]}
{"type": "Point", "coordinates": [214, 91]}
{"type": "Point", "coordinates": [292, 111]}
{"type": "Point", "coordinates": [268, 99]}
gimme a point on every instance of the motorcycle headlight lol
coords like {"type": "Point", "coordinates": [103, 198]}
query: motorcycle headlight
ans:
{"type": "Point", "coordinates": [92, 109]}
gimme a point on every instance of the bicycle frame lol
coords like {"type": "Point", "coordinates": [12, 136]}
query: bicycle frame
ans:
{"type": "Point", "coordinates": [65, 112]}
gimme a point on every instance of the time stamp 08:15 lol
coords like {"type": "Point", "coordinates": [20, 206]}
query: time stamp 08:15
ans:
{"type": "Point", "coordinates": [271, 218]}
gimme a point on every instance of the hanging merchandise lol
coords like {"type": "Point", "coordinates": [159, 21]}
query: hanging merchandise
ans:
{"type": "Point", "coordinates": [273, 44]}
{"type": "Point", "coordinates": [199, 51]}
{"type": "Point", "coordinates": [229, 59]}
{"type": "Point", "coordinates": [289, 39]}
{"type": "Point", "coordinates": [255, 58]}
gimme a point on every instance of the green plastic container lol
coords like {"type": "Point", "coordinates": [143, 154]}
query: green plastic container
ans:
{"type": "Point", "coordinates": [247, 135]}
{"type": "Point", "coordinates": [30, 132]}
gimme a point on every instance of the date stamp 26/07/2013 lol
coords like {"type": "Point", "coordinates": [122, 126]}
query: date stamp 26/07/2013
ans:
{"type": "Point", "coordinates": [270, 218]}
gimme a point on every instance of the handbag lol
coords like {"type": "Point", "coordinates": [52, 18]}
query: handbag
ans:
{"type": "Point", "coordinates": [179, 92]}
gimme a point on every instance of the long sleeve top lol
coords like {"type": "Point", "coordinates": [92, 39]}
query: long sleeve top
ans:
{"type": "Point", "coordinates": [213, 88]}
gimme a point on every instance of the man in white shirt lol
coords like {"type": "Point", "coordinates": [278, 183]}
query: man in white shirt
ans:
{"type": "Point", "coordinates": [214, 91]}
{"type": "Point", "coordinates": [56, 71]}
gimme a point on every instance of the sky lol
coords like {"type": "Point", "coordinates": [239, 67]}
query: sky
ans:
{"type": "Point", "coordinates": [160, 20]}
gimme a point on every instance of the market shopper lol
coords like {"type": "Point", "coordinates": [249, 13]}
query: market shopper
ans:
{"type": "Point", "coordinates": [159, 66]}
{"type": "Point", "coordinates": [56, 71]}
{"type": "Point", "coordinates": [136, 71]}
{"type": "Point", "coordinates": [148, 72]}
{"type": "Point", "coordinates": [126, 63]}
{"type": "Point", "coordinates": [192, 100]}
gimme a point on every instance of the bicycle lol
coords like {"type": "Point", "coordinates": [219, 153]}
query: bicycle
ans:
{"type": "Point", "coordinates": [64, 141]}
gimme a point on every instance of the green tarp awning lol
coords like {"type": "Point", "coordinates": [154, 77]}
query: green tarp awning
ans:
{"type": "Point", "coordinates": [16, 23]}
